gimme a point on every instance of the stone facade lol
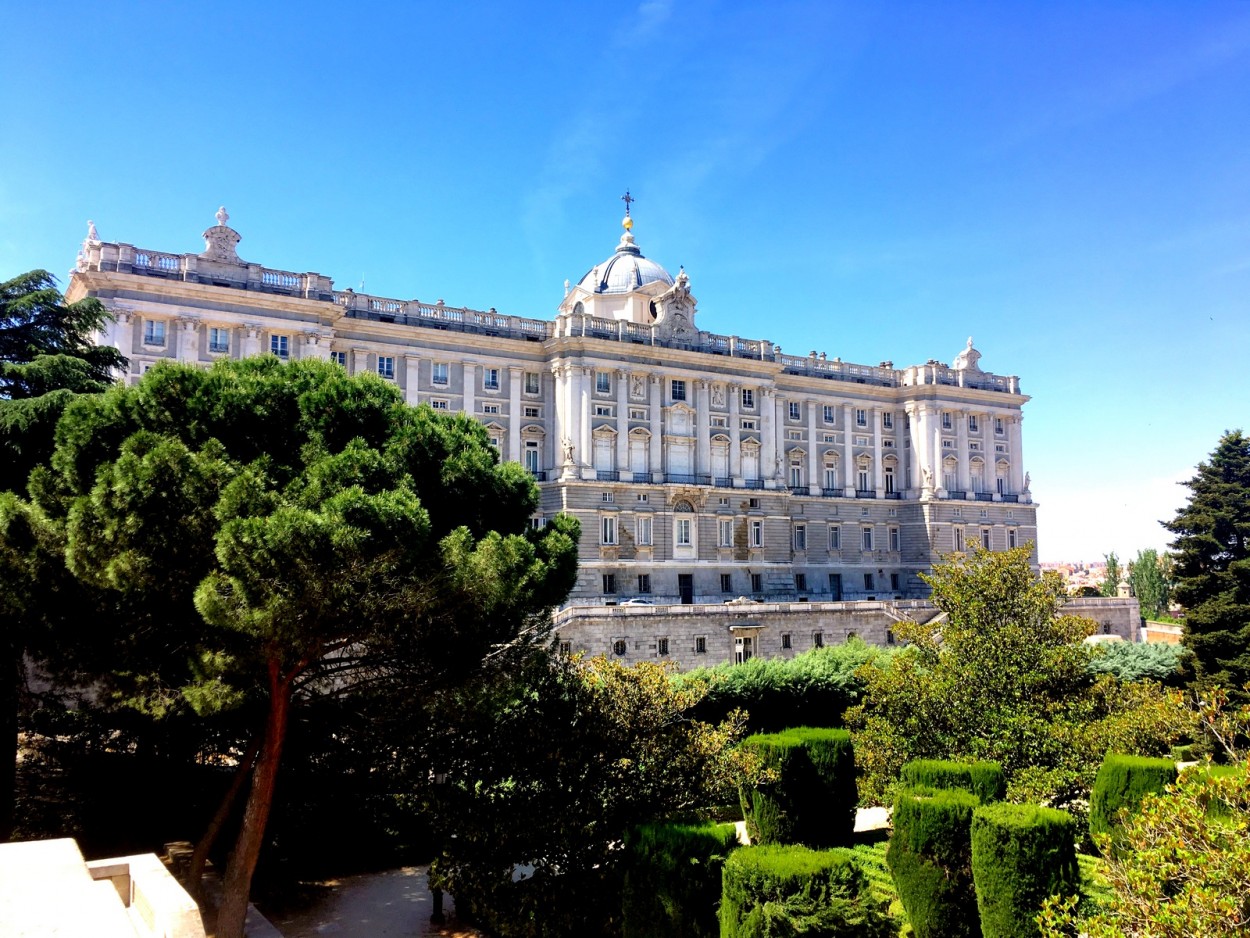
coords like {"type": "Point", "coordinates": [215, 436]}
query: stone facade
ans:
{"type": "Point", "coordinates": [702, 466]}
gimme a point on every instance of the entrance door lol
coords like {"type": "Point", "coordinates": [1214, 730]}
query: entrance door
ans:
{"type": "Point", "coordinates": [835, 587]}
{"type": "Point", "coordinates": [685, 586]}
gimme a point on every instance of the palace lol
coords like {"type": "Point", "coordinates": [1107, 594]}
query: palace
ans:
{"type": "Point", "coordinates": [734, 500]}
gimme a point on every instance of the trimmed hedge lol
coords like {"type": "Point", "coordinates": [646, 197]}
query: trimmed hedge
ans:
{"type": "Point", "coordinates": [673, 879]}
{"type": "Point", "coordinates": [1021, 854]}
{"type": "Point", "coordinates": [930, 858]}
{"type": "Point", "coordinates": [1122, 782]}
{"type": "Point", "coordinates": [984, 779]}
{"type": "Point", "coordinates": [813, 800]}
{"type": "Point", "coordinates": [791, 890]}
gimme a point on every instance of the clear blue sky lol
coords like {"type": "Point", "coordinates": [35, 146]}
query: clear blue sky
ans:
{"type": "Point", "coordinates": [1069, 183]}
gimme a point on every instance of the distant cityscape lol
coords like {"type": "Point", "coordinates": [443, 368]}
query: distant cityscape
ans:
{"type": "Point", "coordinates": [1078, 574]}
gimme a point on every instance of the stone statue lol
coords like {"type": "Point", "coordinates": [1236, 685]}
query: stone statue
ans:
{"type": "Point", "coordinates": [92, 234]}
{"type": "Point", "coordinates": [222, 216]}
{"type": "Point", "coordinates": [1027, 479]}
{"type": "Point", "coordinates": [927, 475]}
{"type": "Point", "coordinates": [637, 386]}
{"type": "Point", "coordinates": [718, 395]}
{"type": "Point", "coordinates": [568, 451]}
{"type": "Point", "coordinates": [967, 359]}
{"type": "Point", "coordinates": [566, 286]}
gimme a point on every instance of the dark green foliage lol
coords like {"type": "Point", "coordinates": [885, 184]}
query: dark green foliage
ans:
{"type": "Point", "coordinates": [776, 891]}
{"type": "Point", "coordinates": [1021, 854]}
{"type": "Point", "coordinates": [813, 688]}
{"type": "Point", "coordinates": [1122, 782]}
{"type": "Point", "coordinates": [930, 857]}
{"type": "Point", "coordinates": [1211, 568]}
{"type": "Point", "coordinates": [983, 779]}
{"type": "Point", "coordinates": [1139, 661]}
{"type": "Point", "coordinates": [1148, 575]}
{"type": "Point", "coordinates": [813, 797]}
{"type": "Point", "coordinates": [673, 879]}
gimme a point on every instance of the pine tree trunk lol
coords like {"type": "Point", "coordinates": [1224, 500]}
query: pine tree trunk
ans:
{"type": "Point", "coordinates": [242, 864]}
{"type": "Point", "coordinates": [199, 857]}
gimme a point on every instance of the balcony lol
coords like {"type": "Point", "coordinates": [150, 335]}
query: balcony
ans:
{"type": "Point", "coordinates": [1015, 499]}
{"type": "Point", "coordinates": [983, 496]}
{"type": "Point", "coordinates": [723, 482]}
{"type": "Point", "coordinates": [831, 493]}
{"type": "Point", "coordinates": [688, 479]}
{"type": "Point", "coordinates": [753, 483]}
{"type": "Point", "coordinates": [865, 493]}
{"type": "Point", "coordinates": [607, 475]}
{"type": "Point", "coordinates": [538, 475]}
{"type": "Point", "coordinates": [894, 495]}
{"type": "Point", "coordinates": [954, 493]}
{"type": "Point", "coordinates": [800, 490]}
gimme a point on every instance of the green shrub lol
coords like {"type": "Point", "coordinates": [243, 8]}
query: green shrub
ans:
{"type": "Point", "coordinates": [774, 891]}
{"type": "Point", "coordinates": [984, 779]}
{"type": "Point", "coordinates": [1139, 661]}
{"type": "Point", "coordinates": [930, 858]}
{"type": "Point", "coordinates": [673, 879]}
{"type": "Point", "coordinates": [1122, 782]}
{"type": "Point", "coordinates": [1021, 854]}
{"type": "Point", "coordinates": [812, 800]}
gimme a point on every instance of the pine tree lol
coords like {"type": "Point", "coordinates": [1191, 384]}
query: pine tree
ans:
{"type": "Point", "coordinates": [1212, 566]}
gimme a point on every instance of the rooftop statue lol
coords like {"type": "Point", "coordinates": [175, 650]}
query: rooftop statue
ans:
{"type": "Point", "coordinates": [967, 359]}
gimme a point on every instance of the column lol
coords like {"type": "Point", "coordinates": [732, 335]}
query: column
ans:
{"type": "Point", "coordinates": [412, 381]}
{"type": "Point", "coordinates": [961, 450]}
{"type": "Point", "coordinates": [702, 446]}
{"type": "Point", "coordinates": [768, 434]}
{"type": "Point", "coordinates": [735, 428]}
{"type": "Point", "coordinates": [585, 455]}
{"type": "Point", "coordinates": [514, 413]}
{"type": "Point", "coordinates": [656, 426]}
{"type": "Point", "coordinates": [188, 340]}
{"type": "Point", "coordinates": [565, 418]}
{"type": "Point", "coordinates": [1017, 454]}
{"type": "Point", "coordinates": [878, 471]}
{"type": "Point", "coordinates": [251, 341]}
{"type": "Point", "coordinates": [622, 421]}
{"type": "Point", "coordinates": [848, 451]}
{"type": "Point", "coordinates": [939, 457]}
{"type": "Point", "coordinates": [913, 457]}
{"type": "Point", "coordinates": [780, 405]}
{"type": "Point", "coordinates": [468, 381]}
{"type": "Point", "coordinates": [813, 449]}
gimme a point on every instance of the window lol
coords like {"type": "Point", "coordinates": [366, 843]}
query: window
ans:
{"type": "Point", "coordinates": [800, 582]}
{"type": "Point", "coordinates": [948, 444]}
{"type": "Point", "coordinates": [644, 582]}
{"type": "Point", "coordinates": [757, 533]}
{"type": "Point", "coordinates": [958, 512]}
{"type": "Point", "coordinates": [757, 583]}
{"type": "Point", "coordinates": [642, 531]}
{"type": "Point", "coordinates": [869, 582]}
{"type": "Point", "coordinates": [800, 537]}
{"type": "Point", "coordinates": [831, 477]}
{"type": "Point", "coordinates": [603, 382]}
{"type": "Point", "coordinates": [748, 398]}
{"type": "Point", "coordinates": [785, 640]}
{"type": "Point", "coordinates": [618, 647]}
{"type": "Point", "coordinates": [219, 340]}
{"type": "Point", "coordinates": [887, 444]}
{"type": "Point", "coordinates": [386, 367]}
{"type": "Point", "coordinates": [750, 425]}
{"type": "Point", "coordinates": [835, 587]}
{"type": "Point", "coordinates": [606, 497]}
{"type": "Point", "coordinates": [725, 532]}
{"type": "Point", "coordinates": [999, 429]}
{"type": "Point", "coordinates": [339, 358]}
{"type": "Point", "coordinates": [861, 482]}
{"type": "Point", "coordinates": [533, 412]}
{"type": "Point", "coordinates": [796, 410]}
{"type": "Point", "coordinates": [796, 475]}
{"type": "Point", "coordinates": [490, 379]}
{"type": "Point", "coordinates": [496, 442]}
{"type": "Point", "coordinates": [818, 639]}
{"type": "Point", "coordinates": [1011, 513]}
{"type": "Point", "coordinates": [866, 538]}
{"type": "Point", "coordinates": [538, 522]}
{"type": "Point", "coordinates": [959, 539]}
{"type": "Point", "coordinates": [679, 390]}
{"type": "Point", "coordinates": [661, 646]}
{"type": "Point", "coordinates": [895, 540]}
{"type": "Point", "coordinates": [637, 413]}
{"type": "Point", "coordinates": [828, 413]}
{"type": "Point", "coordinates": [533, 461]}
{"type": "Point", "coordinates": [946, 420]}
{"type": "Point", "coordinates": [566, 648]}
{"type": "Point", "coordinates": [643, 497]}
{"type": "Point", "coordinates": [861, 417]}
{"type": "Point", "coordinates": [973, 427]}
{"type": "Point", "coordinates": [609, 582]}
{"type": "Point", "coordinates": [835, 537]}
{"type": "Point", "coordinates": [280, 345]}
{"type": "Point", "coordinates": [603, 410]}
{"type": "Point", "coordinates": [700, 645]}
{"type": "Point", "coordinates": [889, 481]}
{"type": "Point", "coordinates": [726, 583]}
{"type": "Point", "coordinates": [794, 434]}
{"type": "Point", "coordinates": [753, 503]}
{"type": "Point", "coordinates": [683, 532]}
{"type": "Point", "coordinates": [1000, 447]}
{"type": "Point", "coordinates": [861, 441]}
{"type": "Point", "coordinates": [894, 581]}
{"type": "Point", "coordinates": [828, 438]}
{"type": "Point", "coordinates": [439, 404]}
{"type": "Point", "coordinates": [490, 408]}
{"type": "Point", "coordinates": [887, 420]}
{"type": "Point", "coordinates": [607, 529]}
{"type": "Point", "coordinates": [438, 373]}
{"type": "Point", "coordinates": [720, 421]}
{"type": "Point", "coordinates": [985, 538]}
{"type": "Point", "coordinates": [532, 382]}
{"type": "Point", "coordinates": [153, 332]}
{"type": "Point", "coordinates": [985, 512]}
{"type": "Point", "coordinates": [1012, 544]}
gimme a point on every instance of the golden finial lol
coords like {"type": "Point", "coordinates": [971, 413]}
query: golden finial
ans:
{"type": "Point", "coordinates": [627, 223]}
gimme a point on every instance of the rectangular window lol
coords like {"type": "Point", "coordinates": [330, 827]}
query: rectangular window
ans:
{"type": "Point", "coordinates": [661, 647]}
{"type": "Point", "coordinates": [153, 332]}
{"type": "Point", "coordinates": [796, 410]}
{"type": "Point", "coordinates": [835, 587]}
{"type": "Point", "coordinates": [887, 444]}
{"type": "Point", "coordinates": [538, 522]}
{"type": "Point", "coordinates": [1011, 539]}
{"type": "Point", "coordinates": [861, 417]}
{"type": "Point", "coordinates": [219, 340]}
{"type": "Point", "coordinates": [533, 461]}
{"type": "Point", "coordinates": [339, 358]}
{"type": "Point", "coordinates": [490, 379]}
{"type": "Point", "coordinates": [998, 426]}
{"type": "Point", "coordinates": [887, 420]}
{"type": "Point", "coordinates": [835, 537]}
{"type": "Point", "coordinates": [959, 539]}
{"type": "Point", "coordinates": [757, 583]}
{"type": "Point", "coordinates": [972, 423]}
{"type": "Point", "coordinates": [533, 412]}
{"type": "Point", "coordinates": [750, 425]}
{"type": "Point", "coordinates": [679, 390]}
{"type": "Point", "coordinates": [794, 434]}
{"type": "Point", "coordinates": [607, 529]}
{"type": "Point", "coordinates": [609, 582]}
{"type": "Point", "coordinates": [985, 538]}
{"type": "Point", "coordinates": [720, 421]}
{"type": "Point", "coordinates": [566, 648]}
{"type": "Point", "coordinates": [757, 533]}
{"type": "Point", "coordinates": [828, 413]}
{"type": "Point", "coordinates": [818, 639]}
{"type": "Point", "coordinates": [386, 367]}
{"type": "Point", "coordinates": [894, 581]}
{"type": "Point", "coordinates": [869, 582]}
{"type": "Point", "coordinates": [532, 382]}
{"type": "Point", "coordinates": [800, 582]}
{"type": "Point", "coordinates": [748, 398]}
{"type": "Point", "coordinates": [753, 503]}
{"type": "Point", "coordinates": [785, 640]}
{"type": "Point", "coordinates": [603, 382]}
{"type": "Point", "coordinates": [603, 410]}
{"type": "Point", "coordinates": [683, 532]}
{"type": "Point", "coordinates": [643, 497]}
{"type": "Point", "coordinates": [439, 404]}
{"type": "Point", "coordinates": [642, 531]}
{"type": "Point", "coordinates": [946, 420]}
{"type": "Point", "coordinates": [800, 537]}
{"type": "Point", "coordinates": [726, 583]}
{"type": "Point", "coordinates": [637, 413]}
{"type": "Point", "coordinates": [644, 582]}
{"type": "Point", "coordinates": [866, 538]}
{"type": "Point", "coordinates": [895, 540]}
{"type": "Point", "coordinates": [725, 532]}
{"type": "Point", "coordinates": [439, 372]}
{"type": "Point", "coordinates": [490, 408]}
{"type": "Point", "coordinates": [280, 345]}
{"type": "Point", "coordinates": [700, 645]}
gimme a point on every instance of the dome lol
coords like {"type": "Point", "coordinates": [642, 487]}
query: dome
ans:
{"type": "Point", "coordinates": [625, 271]}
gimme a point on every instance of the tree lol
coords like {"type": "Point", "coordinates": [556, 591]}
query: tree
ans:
{"type": "Point", "coordinates": [1150, 585]}
{"type": "Point", "coordinates": [268, 532]}
{"type": "Point", "coordinates": [1110, 585]}
{"type": "Point", "coordinates": [1211, 557]}
{"type": "Point", "coordinates": [1002, 677]}
{"type": "Point", "coordinates": [548, 769]}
